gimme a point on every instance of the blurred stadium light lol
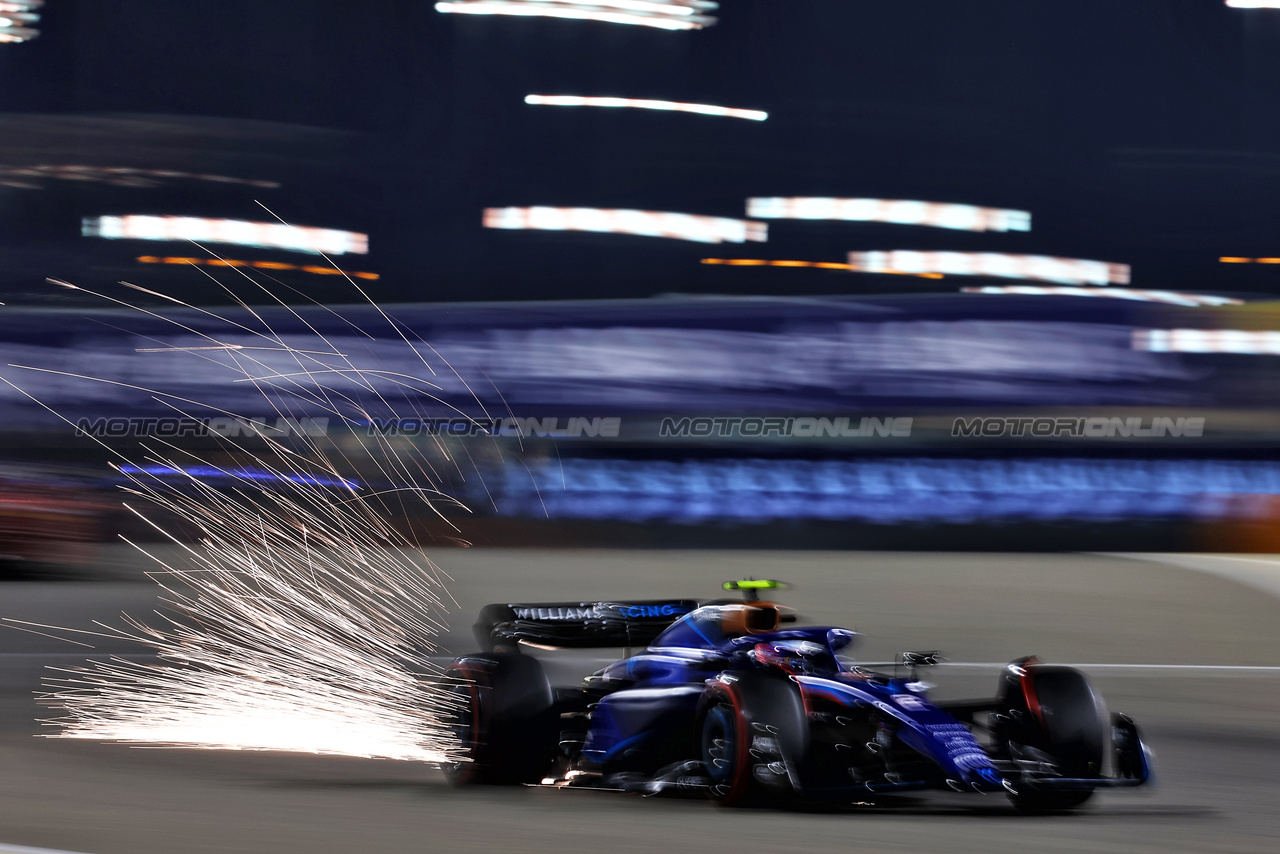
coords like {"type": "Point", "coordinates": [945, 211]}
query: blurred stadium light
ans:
{"type": "Point", "coordinates": [664, 14]}
{"type": "Point", "coordinates": [1168, 297]}
{"type": "Point", "coordinates": [265, 235]}
{"type": "Point", "coordinates": [644, 104]}
{"type": "Point", "coordinates": [1068, 271]}
{"type": "Point", "coordinates": [899, 211]}
{"type": "Point", "coordinates": [18, 19]}
{"type": "Point", "coordinates": [261, 265]}
{"type": "Point", "coordinates": [1248, 342]}
{"type": "Point", "coordinates": [678, 226]}
{"type": "Point", "coordinates": [763, 262]}
{"type": "Point", "coordinates": [1232, 259]}
{"type": "Point", "coordinates": [1254, 4]}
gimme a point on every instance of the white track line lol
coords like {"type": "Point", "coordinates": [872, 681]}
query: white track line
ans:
{"type": "Point", "coordinates": [23, 849]}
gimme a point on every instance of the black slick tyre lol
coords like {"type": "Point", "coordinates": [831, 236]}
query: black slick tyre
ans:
{"type": "Point", "coordinates": [503, 720]}
{"type": "Point", "coordinates": [752, 736]}
{"type": "Point", "coordinates": [1054, 710]}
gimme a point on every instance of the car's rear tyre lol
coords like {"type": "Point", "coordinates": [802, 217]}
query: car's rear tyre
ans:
{"type": "Point", "coordinates": [752, 734]}
{"type": "Point", "coordinates": [503, 720]}
{"type": "Point", "coordinates": [1054, 710]}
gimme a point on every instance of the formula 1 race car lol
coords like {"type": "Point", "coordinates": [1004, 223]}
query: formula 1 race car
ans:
{"type": "Point", "coordinates": [724, 701]}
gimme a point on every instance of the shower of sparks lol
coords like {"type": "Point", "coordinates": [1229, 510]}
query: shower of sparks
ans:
{"type": "Point", "coordinates": [300, 618]}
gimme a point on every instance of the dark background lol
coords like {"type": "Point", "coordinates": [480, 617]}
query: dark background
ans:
{"type": "Point", "coordinates": [1142, 131]}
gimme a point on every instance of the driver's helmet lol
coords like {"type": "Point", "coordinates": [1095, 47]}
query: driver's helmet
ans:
{"type": "Point", "coordinates": [794, 655]}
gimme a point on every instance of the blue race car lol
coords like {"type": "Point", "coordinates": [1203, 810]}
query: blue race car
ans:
{"type": "Point", "coordinates": [723, 700]}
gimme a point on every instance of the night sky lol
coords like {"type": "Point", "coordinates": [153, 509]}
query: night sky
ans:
{"type": "Point", "coordinates": [1144, 132]}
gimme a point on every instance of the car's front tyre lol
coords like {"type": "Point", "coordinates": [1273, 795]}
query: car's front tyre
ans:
{"type": "Point", "coordinates": [1055, 711]}
{"type": "Point", "coordinates": [752, 733]}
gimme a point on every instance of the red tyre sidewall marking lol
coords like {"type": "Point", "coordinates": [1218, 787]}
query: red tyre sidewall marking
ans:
{"type": "Point", "coordinates": [1029, 694]}
{"type": "Point", "coordinates": [471, 676]}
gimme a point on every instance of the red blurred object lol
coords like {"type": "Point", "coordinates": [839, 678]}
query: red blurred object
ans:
{"type": "Point", "coordinates": [49, 524]}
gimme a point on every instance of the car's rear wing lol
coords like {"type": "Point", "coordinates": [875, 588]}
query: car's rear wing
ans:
{"type": "Point", "coordinates": [578, 624]}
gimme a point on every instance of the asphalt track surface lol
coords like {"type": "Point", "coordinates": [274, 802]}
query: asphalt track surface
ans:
{"type": "Point", "coordinates": [1216, 734]}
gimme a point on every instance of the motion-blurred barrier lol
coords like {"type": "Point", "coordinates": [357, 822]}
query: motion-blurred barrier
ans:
{"type": "Point", "coordinates": [630, 368]}
{"type": "Point", "coordinates": [767, 357]}
{"type": "Point", "coordinates": [32, 177]}
{"type": "Point", "coordinates": [886, 490]}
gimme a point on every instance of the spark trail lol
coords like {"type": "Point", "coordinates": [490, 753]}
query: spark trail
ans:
{"type": "Point", "coordinates": [298, 617]}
